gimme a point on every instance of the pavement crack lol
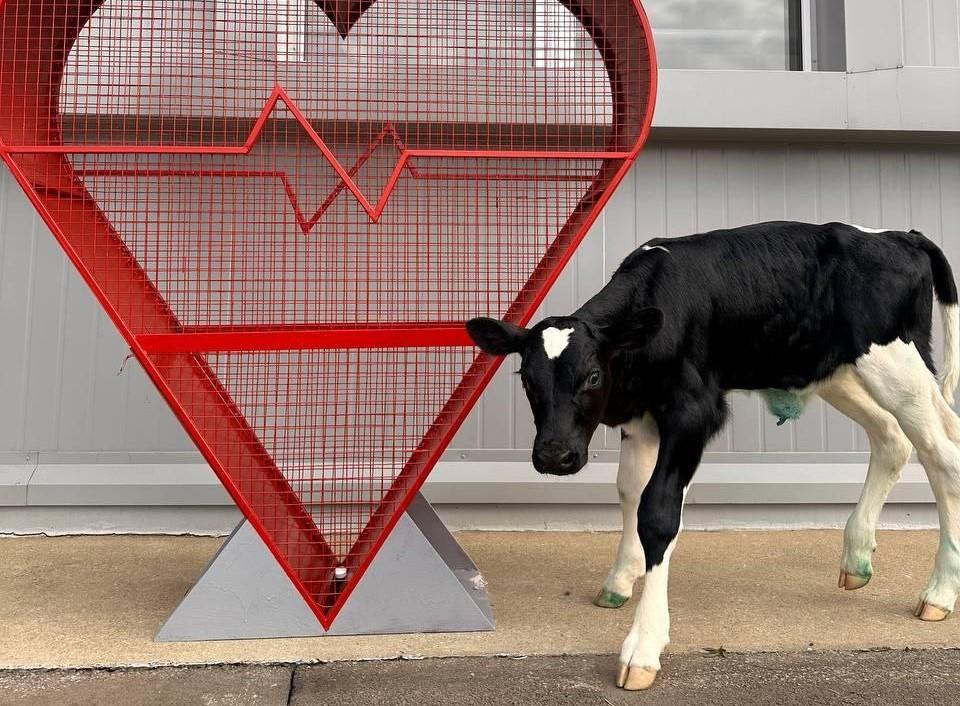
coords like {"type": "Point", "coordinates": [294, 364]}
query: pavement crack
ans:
{"type": "Point", "coordinates": [293, 673]}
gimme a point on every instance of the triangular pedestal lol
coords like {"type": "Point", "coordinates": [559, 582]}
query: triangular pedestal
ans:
{"type": "Point", "coordinates": [420, 581]}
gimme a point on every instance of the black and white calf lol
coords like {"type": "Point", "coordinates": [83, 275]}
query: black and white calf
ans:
{"type": "Point", "coordinates": [835, 310]}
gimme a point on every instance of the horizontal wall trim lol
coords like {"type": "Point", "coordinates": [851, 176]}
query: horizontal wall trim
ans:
{"type": "Point", "coordinates": [154, 485]}
{"type": "Point", "coordinates": [903, 99]}
{"type": "Point", "coordinates": [220, 520]}
{"type": "Point", "coordinates": [754, 135]}
{"type": "Point", "coordinates": [473, 455]}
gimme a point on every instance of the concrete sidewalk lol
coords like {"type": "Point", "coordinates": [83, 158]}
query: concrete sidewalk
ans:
{"type": "Point", "coordinates": [893, 678]}
{"type": "Point", "coordinates": [98, 601]}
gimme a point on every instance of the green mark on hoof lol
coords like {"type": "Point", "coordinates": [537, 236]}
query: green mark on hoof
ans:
{"type": "Point", "coordinates": [865, 568]}
{"type": "Point", "coordinates": [609, 599]}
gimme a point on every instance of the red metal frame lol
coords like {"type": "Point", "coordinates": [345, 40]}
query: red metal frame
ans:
{"type": "Point", "coordinates": [265, 401]}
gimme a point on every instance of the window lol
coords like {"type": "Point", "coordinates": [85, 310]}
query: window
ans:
{"type": "Point", "coordinates": [556, 31]}
{"type": "Point", "coordinates": [828, 36]}
{"type": "Point", "coordinates": [718, 34]}
{"type": "Point", "coordinates": [726, 34]}
{"type": "Point", "coordinates": [291, 31]}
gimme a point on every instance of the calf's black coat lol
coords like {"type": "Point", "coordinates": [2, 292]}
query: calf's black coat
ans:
{"type": "Point", "coordinates": [682, 321]}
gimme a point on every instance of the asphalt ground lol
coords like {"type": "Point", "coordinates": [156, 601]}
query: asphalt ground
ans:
{"type": "Point", "coordinates": [874, 678]}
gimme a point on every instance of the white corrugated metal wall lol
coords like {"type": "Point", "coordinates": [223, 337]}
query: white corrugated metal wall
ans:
{"type": "Point", "coordinates": [60, 365]}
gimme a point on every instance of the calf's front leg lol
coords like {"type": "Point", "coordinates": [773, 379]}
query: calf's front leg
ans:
{"type": "Point", "coordinates": [658, 525]}
{"type": "Point", "coordinates": [639, 443]}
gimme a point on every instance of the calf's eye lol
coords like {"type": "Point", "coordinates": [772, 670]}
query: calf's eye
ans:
{"type": "Point", "coordinates": [593, 379]}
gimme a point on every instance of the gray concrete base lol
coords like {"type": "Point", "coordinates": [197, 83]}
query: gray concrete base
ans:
{"type": "Point", "coordinates": [420, 581]}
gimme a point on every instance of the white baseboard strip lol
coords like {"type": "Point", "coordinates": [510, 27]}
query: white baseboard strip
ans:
{"type": "Point", "coordinates": [186, 498]}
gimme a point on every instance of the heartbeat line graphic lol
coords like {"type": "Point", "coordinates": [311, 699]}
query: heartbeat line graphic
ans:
{"type": "Point", "coordinates": [347, 176]}
{"type": "Point", "coordinates": [305, 224]}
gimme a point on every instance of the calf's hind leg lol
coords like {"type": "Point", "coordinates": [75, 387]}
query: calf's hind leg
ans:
{"type": "Point", "coordinates": [889, 451]}
{"type": "Point", "coordinates": [896, 377]}
{"type": "Point", "coordinates": [638, 455]}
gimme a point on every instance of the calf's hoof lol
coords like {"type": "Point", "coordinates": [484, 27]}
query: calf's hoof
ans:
{"type": "Point", "coordinates": [930, 613]}
{"type": "Point", "coordinates": [609, 599]}
{"type": "Point", "coordinates": [851, 582]}
{"type": "Point", "coordinates": [636, 678]}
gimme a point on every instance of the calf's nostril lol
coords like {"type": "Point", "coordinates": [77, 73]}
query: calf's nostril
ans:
{"type": "Point", "coordinates": [569, 459]}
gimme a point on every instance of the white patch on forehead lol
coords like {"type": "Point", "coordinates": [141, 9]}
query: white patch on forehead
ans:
{"type": "Point", "coordinates": [555, 341]}
{"type": "Point", "coordinates": [648, 248]}
{"type": "Point", "coordinates": [869, 230]}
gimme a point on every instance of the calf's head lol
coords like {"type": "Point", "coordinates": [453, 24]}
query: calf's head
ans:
{"type": "Point", "coordinates": [565, 370]}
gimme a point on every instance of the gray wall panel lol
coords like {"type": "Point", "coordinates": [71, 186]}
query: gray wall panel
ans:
{"type": "Point", "coordinates": [62, 389]}
{"type": "Point", "coordinates": [930, 32]}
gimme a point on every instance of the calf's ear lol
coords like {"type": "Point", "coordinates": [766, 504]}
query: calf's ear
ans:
{"type": "Point", "coordinates": [495, 336]}
{"type": "Point", "coordinates": [636, 331]}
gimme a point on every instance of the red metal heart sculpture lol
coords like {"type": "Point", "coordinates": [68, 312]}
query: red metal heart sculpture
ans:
{"type": "Point", "coordinates": [289, 207]}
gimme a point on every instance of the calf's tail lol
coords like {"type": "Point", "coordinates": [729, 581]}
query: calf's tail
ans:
{"type": "Point", "coordinates": [945, 287]}
{"type": "Point", "coordinates": [951, 350]}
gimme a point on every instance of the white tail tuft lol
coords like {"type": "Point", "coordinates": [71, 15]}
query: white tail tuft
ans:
{"type": "Point", "coordinates": [951, 350]}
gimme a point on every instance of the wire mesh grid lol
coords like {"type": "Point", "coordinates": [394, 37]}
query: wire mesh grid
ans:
{"type": "Point", "coordinates": [342, 424]}
{"type": "Point", "coordinates": [249, 252]}
{"type": "Point", "coordinates": [289, 207]}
